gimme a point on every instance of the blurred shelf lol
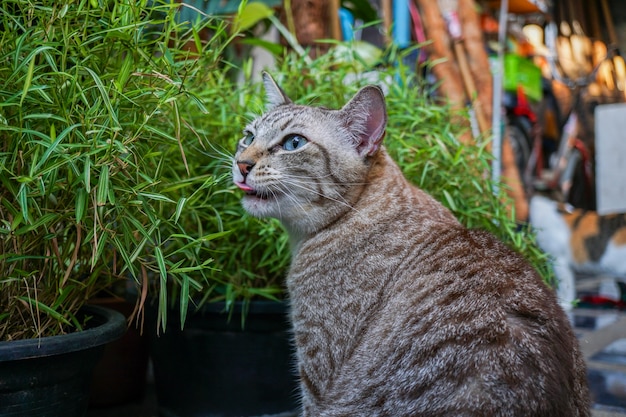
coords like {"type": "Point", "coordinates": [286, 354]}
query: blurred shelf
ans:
{"type": "Point", "coordinates": [523, 6]}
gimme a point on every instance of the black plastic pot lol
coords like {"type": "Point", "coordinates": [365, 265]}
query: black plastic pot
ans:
{"type": "Point", "coordinates": [50, 376]}
{"type": "Point", "coordinates": [213, 368]}
{"type": "Point", "coordinates": [119, 377]}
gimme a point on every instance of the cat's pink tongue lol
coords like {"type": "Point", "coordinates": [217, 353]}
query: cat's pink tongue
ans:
{"type": "Point", "coordinates": [244, 186]}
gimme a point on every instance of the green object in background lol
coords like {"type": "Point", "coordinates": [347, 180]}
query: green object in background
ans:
{"type": "Point", "coordinates": [522, 72]}
{"type": "Point", "coordinates": [193, 9]}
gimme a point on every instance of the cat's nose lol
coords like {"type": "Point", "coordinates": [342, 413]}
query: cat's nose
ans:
{"type": "Point", "coordinates": [245, 167]}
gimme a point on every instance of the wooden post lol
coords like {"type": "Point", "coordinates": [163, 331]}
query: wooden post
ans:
{"type": "Point", "coordinates": [387, 19]}
{"type": "Point", "coordinates": [478, 62]}
{"type": "Point", "coordinates": [477, 58]}
{"type": "Point", "coordinates": [333, 18]}
{"type": "Point", "coordinates": [439, 50]}
{"type": "Point", "coordinates": [310, 19]}
{"type": "Point", "coordinates": [465, 74]}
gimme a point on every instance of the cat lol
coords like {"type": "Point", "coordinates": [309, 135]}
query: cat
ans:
{"type": "Point", "coordinates": [580, 241]}
{"type": "Point", "coordinates": [397, 309]}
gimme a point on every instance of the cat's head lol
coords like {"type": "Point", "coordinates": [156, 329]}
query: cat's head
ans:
{"type": "Point", "coordinates": [307, 165]}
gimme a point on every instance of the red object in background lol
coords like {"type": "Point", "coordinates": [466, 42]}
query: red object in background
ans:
{"type": "Point", "coordinates": [599, 301]}
{"type": "Point", "coordinates": [488, 23]}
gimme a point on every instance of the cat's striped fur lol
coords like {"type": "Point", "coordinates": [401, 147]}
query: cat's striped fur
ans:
{"type": "Point", "coordinates": [397, 309]}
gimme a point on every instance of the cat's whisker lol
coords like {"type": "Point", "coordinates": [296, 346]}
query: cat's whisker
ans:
{"type": "Point", "coordinates": [287, 192]}
{"type": "Point", "coordinates": [275, 197]}
{"type": "Point", "coordinates": [312, 190]}
{"type": "Point", "coordinates": [317, 179]}
{"type": "Point", "coordinates": [217, 152]}
{"type": "Point", "coordinates": [308, 177]}
{"type": "Point", "coordinates": [225, 166]}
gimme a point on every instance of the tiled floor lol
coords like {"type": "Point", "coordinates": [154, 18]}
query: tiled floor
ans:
{"type": "Point", "coordinates": [602, 335]}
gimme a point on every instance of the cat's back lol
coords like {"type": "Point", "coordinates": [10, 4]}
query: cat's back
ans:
{"type": "Point", "coordinates": [437, 319]}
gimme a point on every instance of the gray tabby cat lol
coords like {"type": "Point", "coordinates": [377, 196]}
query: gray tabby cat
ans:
{"type": "Point", "coordinates": [397, 309]}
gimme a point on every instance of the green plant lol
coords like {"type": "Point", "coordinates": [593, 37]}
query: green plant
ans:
{"type": "Point", "coordinates": [115, 147]}
{"type": "Point", "coordinates": [420, 137]}
{"type": "Point", "coordinates": [251, 260]}
{"type": "Point", "coordinates": [96, 184]}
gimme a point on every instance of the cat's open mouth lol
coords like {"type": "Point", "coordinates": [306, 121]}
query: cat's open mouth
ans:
{"type": "Point", "coordinates": [251, 192]}
{"type": "Point", "coordinates": [257, 194]}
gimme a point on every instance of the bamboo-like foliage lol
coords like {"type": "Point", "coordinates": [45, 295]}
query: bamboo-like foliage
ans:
{"type": "Point", "coordinates": [96, 181]}
{"type": "Point", "coordinates": [421, 137]}
{"type": "Point", "coordinates": [115, 147]}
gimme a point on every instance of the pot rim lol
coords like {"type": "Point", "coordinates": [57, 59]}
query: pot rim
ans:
{"type": "Point", "coordinates": [110, 325]}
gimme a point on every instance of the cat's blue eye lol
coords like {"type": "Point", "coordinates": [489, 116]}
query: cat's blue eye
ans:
{"type": "Point", "coordinates": [293, 142]}
{"type": "Point", "coordinates": [248, 138]}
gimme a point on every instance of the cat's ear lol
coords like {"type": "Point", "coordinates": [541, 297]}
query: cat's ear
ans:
{"type": "Point", "coordinates": [273, 93]}
{"type": "Point", "coordinates": [366, 116]}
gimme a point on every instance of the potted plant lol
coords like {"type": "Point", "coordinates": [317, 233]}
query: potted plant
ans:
{"type": "Point", "coordinates": [95, 184]}
{"type": "Point", "coordinates": [233, 357]}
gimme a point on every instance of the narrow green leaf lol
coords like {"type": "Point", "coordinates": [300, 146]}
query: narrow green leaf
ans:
{"type": "Point", "coordinates": [24, 179]}
{"type": "Point", "coordinates": [161, 263]}
{"type": "Point", "coordinates": [29, 79]}
{"type": "Point", "coordinates": [198, 242]}
{"type": "Point", "coordinates": [105, 96]}
{"type": "Point", "coordinates": [195, 284]}
{"type": "Point", "coordinates": [162, 314]}
{"type": "Point", "coordinates": [42, 221]}
{"type": "Point", "coordinates": [22, 197]}
{"type": "Point", "coordinates": [147, 237]}
{"type": "Point", "coordinates": [450, 200]}
{"type": "Point", "coordinates": [103, 186]}
{"type": "Point", "coordinates": [11, 258]}
{"type": "Point", "coordinates": [179, 208]}
{"type": "Point", "coordinates": [124, 72]}
{"type": "Point", "coordinates": [63, 293]}
{"type": "Point", "coordinates": [157, 197]}
{"type": "Point", "coordinates": [53, 146]}
{"type": "Point", "coordinates": [198, 103]}
{"type": "Point", "coordinates": [81, 204]}
{"type": "Point", "coordinates": [17, 219]}
{"type": "Point", "coordinates": [229, 296]}
{"type": "Point", "coordinates": [274, 48]}
{"type": "Point", "coordinates": [42, 307]}
{"type": "Point", "coordinates": [162, 310]}
{"type": "Point", "coordinates": [121, 249]}
{"type": "Point", "coordinates": [111, 196]}
{"type": "Point", "coordinates": [103, 240]}
{"type": "Point", "coordinates": [159, 132]}
{"type": "Point", "coordinates": [184, 299]}
{"type": "Point", "coordinates": [87, 174]}
{"type": "Point", "coordinates": [187, 269]}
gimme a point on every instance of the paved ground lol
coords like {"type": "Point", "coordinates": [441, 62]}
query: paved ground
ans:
{"type": "Point", "coordinates": [602, 335]}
